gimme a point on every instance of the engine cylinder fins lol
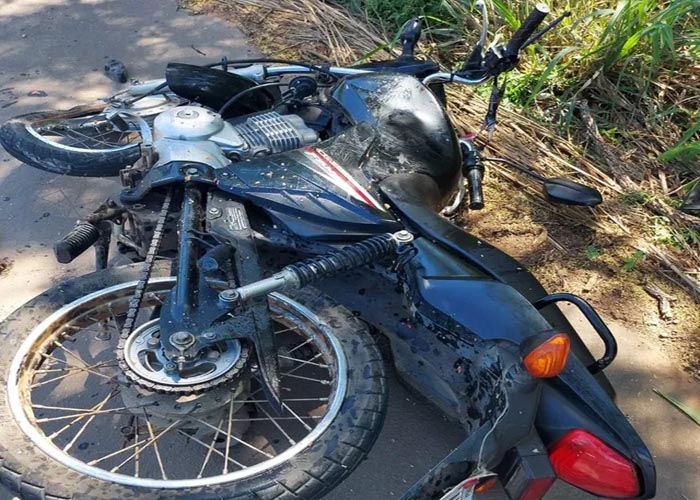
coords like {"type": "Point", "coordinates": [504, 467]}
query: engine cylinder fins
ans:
{"type": "Point", "coordinates": [270, 133]}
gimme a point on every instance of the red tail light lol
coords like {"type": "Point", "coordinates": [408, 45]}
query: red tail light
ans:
{"type": "Point", "coordinates": [585, 461]}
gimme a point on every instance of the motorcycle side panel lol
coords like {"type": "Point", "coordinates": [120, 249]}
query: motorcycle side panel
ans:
{"type": "Point", "coordinates": [489, 260]}
{"type": "Point", "coordinates": [465, 296]}
{"type": "Point", "coordinates": [317, 193]}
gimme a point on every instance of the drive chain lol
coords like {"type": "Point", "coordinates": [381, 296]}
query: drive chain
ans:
{"type": "Point", "coordinates": [139, 292]}
{"type": "Point", "coordinates": [135, 302]}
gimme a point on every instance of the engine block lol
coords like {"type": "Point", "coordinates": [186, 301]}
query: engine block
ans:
{"type": "Point", "coordinates": [192, 133]}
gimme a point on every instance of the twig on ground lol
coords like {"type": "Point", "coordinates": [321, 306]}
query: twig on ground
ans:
{"type": "Point", "coordinates": [663, 300]}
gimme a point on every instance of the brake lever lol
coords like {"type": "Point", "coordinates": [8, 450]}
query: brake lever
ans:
{"type": "Point", "coordinates": [490, 120]}
{"type": "Point", "coordinates": [546, 29]}
{"type": "Point", "coordinates": [484, 24]}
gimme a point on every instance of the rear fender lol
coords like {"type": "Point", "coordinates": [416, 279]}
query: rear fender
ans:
{"type": "Point", "coordinates": [458, 297]}
{"type": "Point", "coordinates": [574, 401]}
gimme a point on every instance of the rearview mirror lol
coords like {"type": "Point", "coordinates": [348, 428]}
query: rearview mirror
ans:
{"type": "Point", "coordinates": [568, 192]}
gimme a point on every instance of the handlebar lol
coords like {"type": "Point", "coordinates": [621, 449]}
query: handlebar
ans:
{"type": "Point", "coordinates": [527, 29]}
{"type": "Point", "coordinates": [476, 193]}
{"type": "Point", "coordinates": [496, 60]}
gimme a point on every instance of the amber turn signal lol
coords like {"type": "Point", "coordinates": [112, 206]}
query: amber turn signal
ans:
{"type": "Point", "coordinates": [548, 358]}
{"type": "Point", "coordinates": [486, 484]}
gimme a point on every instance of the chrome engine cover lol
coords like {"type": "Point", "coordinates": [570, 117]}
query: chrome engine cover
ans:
{"type": "Point", "coordinates": [192, 133]}
{"type": "Point", "coordinates": [187, 123]}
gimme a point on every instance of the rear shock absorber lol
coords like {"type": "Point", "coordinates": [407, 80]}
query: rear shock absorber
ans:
{"type": "Point", "coordinates": [300, 274]}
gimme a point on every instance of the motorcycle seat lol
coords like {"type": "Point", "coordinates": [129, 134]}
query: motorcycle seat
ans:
{"type": "Point", "coordinates": [417, 199]}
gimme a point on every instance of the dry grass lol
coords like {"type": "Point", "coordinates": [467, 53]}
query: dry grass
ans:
{"type": "Point", "coordinates": [635, 237]}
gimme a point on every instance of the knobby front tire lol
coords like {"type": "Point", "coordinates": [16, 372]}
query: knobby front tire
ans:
{"type": "Point", "coordinates": [40, 357]}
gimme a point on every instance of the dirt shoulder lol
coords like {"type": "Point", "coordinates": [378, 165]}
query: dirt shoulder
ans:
{"type": "Point", "coordinates": [606, 271]}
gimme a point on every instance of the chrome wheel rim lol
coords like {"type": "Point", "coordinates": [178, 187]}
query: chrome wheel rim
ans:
{"type": "Point", "coordinates": [96, 134]}
{"type": "Point", "coordinates": [46, 368]}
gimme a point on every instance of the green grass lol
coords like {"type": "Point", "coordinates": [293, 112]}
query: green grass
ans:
{"type": "Point", "coordinates": [635, 61]}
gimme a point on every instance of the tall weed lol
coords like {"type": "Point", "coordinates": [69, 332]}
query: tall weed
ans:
{"type": "Point", "coordinates": [636, 61]}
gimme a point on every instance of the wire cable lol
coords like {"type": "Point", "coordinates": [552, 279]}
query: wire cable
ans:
{"type": "Point", "coordinates": [235, 98]}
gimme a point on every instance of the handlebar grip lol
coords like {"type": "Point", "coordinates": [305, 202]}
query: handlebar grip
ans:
{"type": "Point", "coordinates": [79, 239]}
{"type": "Point", "coordinates": [476, 193]}
{"type": "Point", "coordinates": [527, 29]}
{"type": "Point", "coordinates": [409, 38]}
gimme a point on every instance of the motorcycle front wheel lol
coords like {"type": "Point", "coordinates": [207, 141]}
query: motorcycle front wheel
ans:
{"type": "Point", "coordinates": [80, 141]}
{"type": "Point", "coordinates": [72, 426]}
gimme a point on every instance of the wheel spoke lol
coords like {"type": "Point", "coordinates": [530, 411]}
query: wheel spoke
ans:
{"type": "Point", "coordinates": [210, 447]}
{"type": "Point", "coordinates": [78, 418]}
{"type": "Point", "coordinates": [268, 419]}
{"type": "Point", "coordinates": [228, 434]}
{"type": "Point", "coordinates": [72, 370]}
{"type": "Point", "coordinates": [137, 453]}
{"type": "Point", "coordinates": [307, 342]}
{"type": "Point", "coordinates": [295, 369]}
{"type": "Point", "coordinates": [285, 330]}
{"type": "Point", "coordinates": [290, 400]}
{"type": "Point", "coordinates": [308, 379]}
{"type": "Point", "coordinates": [124, 410]}
{"type": "Point", "coordinates": [234, 438]}
{"type": "Point", "coordinates": [311, 363]}
{"type": "Point", "coordinates": [155, 444]}
{"type": "Point", "coordinates": [84, 366]}
{"type": "Point", "coordinates": [88, 422]}
{"type": "Point", "coordinates": [279, 427]}
{"type": "Point", "coordinates": [301, 420]}
{"type": "Point", "coordinates": [213, 450]}
{"type": "Point", "coordinates": [147, 444]}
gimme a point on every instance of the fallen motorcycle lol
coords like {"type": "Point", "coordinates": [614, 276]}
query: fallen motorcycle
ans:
{"type": "Point", "coordinates": [210, 368]}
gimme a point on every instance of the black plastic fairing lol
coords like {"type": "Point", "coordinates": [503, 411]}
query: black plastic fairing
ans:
{"type": "Point", "coordinates": [414, 134]}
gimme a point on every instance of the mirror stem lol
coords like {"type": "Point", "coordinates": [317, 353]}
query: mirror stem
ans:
{"type": "Point", "coordinates": [516, 166]}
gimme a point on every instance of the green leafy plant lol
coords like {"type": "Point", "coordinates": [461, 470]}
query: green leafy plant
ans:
{"type": "Point", "coordinates": [593, 251]}
{"type": "Point", "coordinates": [631, 262]}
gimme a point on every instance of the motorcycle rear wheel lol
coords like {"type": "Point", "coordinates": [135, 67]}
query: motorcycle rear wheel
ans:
{"type": "Point", "coordinates": [80, 141]}
{"type": "Point", "coordinates": [70, 427]}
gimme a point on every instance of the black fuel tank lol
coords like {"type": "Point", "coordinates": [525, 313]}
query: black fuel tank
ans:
{"type": "Point", "coordinates": [316, 193]}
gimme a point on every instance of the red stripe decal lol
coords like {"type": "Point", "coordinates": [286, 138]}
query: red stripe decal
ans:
{"type": "Point", "coordinates": [328, 162]}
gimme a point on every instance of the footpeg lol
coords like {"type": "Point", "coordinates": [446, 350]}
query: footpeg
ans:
{"type": "Point", "coordinates": [79, 239]}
